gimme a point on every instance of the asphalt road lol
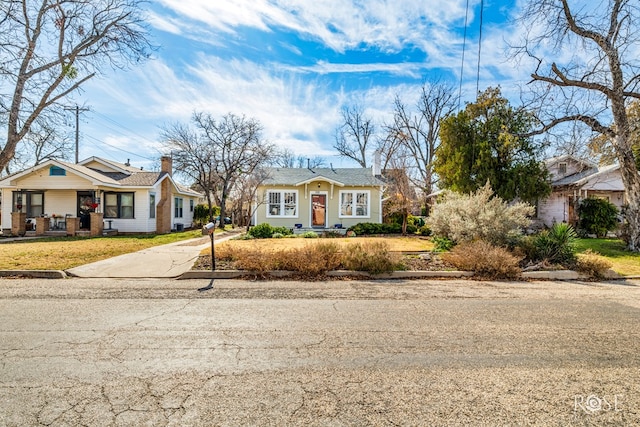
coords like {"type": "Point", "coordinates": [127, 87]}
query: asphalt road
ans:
{"type": "Point", "coordinates": [105, 352]}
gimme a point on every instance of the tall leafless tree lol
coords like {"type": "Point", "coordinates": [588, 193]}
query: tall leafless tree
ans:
{"type": "Point", "coordinates": [286, 158]}
{"type": "Point", "coordinates": [415, 134]}
{"type": "Point", "coordinates": [245, 195]}
{"type": "Point", "coordinates": [355, 135]}
{"type": "Point", "coordinates": [596, 79]}
{"type": "Point", "coordinates": [50, 48]}
{"type": "Point", "coordinates": [216, 153]}
{"type": "Point", "coordinates": [400, 194]}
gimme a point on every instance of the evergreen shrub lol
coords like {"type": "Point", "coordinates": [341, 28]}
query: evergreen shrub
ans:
{"type": "Point", "coordinates": [478, 216]}
{"type": "Point", "coordinates": [597, 216]}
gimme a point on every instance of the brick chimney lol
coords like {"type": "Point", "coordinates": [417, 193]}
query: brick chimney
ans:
{"type": "Point", "coordinates": [166, 165]}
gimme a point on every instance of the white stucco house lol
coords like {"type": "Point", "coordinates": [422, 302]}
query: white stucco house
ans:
{"type": "Point", "coordinates": [574, 179]}
{"type": "Point", "coordinates": [92, 196]}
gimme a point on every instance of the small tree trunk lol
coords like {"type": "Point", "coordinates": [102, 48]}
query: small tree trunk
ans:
{"type": "Point", "coordinates": [631, 181]}
{"type": "Point", "coordinates": [405, 216]}
{"type": "Point", "coordinates": [632, 214]}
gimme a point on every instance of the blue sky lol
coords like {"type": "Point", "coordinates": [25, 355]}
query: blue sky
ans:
{"type": "Point", "coordinates": [292, 65]}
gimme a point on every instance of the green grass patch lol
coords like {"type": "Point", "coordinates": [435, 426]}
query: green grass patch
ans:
{"type": "Point", "coordinates": [623, 261]}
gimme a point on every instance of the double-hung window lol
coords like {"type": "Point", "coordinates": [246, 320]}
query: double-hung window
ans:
{"type": "Point", "coordinates": [178, 207]}
{"type": "Point", "coordinates": [282, 203]}
{"type": "Point", "coordinates": [354, 204]}
{"type": "Point", "coordinates": [152, 205]}
{"type": "Point", "coordinates": [118, 205]}
{"type": "Point", "coordinates": [31, 203]}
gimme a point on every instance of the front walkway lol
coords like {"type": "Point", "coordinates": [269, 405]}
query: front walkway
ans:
{"type": "Point", "coordinates": [165, 261]}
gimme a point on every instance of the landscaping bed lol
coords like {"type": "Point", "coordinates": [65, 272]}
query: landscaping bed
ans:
{"type": "Point", "coordinates": [383, 256]}
{"type": "Point", "coordinates": [412, 262]}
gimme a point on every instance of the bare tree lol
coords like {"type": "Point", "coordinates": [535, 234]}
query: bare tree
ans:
{"type": "Point", "coordinates": [286, 158]}
{"type": "Point", "coordinates": [355, 136]}
{"type": "Point", "coordinates": [246, 199]}
{"type": "Point", "coordinates": [49, 49]}
{"type": "Point", "coordinates": [193, 157]}
{"type": "Point", "coordinates": [217, 153]}
{"type": "Point", "coordinates": [400, 194]}
{"type": "Point", "coordinates": [595, 82]}
{"type": "Point", "coordinates": [416, 135]}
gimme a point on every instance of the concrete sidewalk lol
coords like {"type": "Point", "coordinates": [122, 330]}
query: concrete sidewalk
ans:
{"type": "Point", "coordinates": [165, 261]}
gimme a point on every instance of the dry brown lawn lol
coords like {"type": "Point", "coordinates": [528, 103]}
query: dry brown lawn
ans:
{"type": "Point", "coordinates": [396, 244]}
{"type": "Point", "coordinates": [67, 252]}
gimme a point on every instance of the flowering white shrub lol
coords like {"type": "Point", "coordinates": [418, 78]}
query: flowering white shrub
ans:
{"type": "Point", "coordinates": [478, 216]}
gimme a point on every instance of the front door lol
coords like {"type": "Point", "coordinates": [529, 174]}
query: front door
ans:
{"type": "Point", "coordinates": [318, 210]}
{"type": "Point", "coordinates": [85, 207]}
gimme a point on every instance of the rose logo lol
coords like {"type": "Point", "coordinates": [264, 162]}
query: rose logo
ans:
{"type": "Point", "coordinates": [593, 403]}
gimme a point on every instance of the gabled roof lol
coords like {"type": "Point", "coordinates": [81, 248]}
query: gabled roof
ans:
{"type": "Point", "coordinates": [600, 172]}
{"type": "Point", "coordinates": [574, 178]}
{"type": "Point", "coordinates": [567, 157]}
{"type": "Point", "coordinates": [122, 167]}
{"type": "Point", "coordinates": [590, 173]}
{"type": "Point", "coordinates": [126, 176]}
{"type": "Point", "coordinates": [338, 176]}
{"type": "Point", "coordinates": [92, 175]}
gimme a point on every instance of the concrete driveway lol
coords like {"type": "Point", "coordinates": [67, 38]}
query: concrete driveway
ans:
{"type": "Point", "coordinates": [159, 352]}
{"type": "Point", "coordinates": [164, 261]}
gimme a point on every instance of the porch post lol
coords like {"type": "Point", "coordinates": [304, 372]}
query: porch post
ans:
{"type": "Point", "coordinates": [97, 226]}
{"type": "Point", "coordinates": [73, 225]}
{"type": "Point", "coordinates": [42, 225]}
{"type": "Point", "coordinates": [18, 223]}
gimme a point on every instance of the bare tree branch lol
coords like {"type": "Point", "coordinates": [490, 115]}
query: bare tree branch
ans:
{"type": "Point", "coordinates": [50, 49]}
{"type": "Point", "coordinates": [597, 80]}
{"type": "Point", "coordinates": [217, 154]}
{"type": "Point", "coordinates": [354, 136]}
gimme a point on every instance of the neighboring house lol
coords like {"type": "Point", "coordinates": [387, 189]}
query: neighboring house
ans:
{"type": "Point", "coordinates": [572, 180]}
{"type": "Point", "coordinates": [93, 195]}
{"type": "Point", "coordinates": [319, 198]}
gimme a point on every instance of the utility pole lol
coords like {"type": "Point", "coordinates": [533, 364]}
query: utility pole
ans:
{"type": "Point", "coordinates": [77, 109]}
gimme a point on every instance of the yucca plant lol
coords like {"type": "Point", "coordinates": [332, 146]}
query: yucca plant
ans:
{"type": "Point", "coordinates": [556, 245]}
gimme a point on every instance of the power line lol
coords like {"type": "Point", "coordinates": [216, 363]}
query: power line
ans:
{"type": "Point", "coordinates": [479, 48]}
{"type": "Point", "coordinates": [119, 149]}
{"type": "Point", "coordinates": [109, 119]}
{"type": "Point", "coordinates": [77, 109]}
{"type": "Point", "coordinates": [464, 45]}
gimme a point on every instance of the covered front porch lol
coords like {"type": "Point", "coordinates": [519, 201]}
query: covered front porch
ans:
{"type": "Point", "coordinates": [67, 225]}
{"type": "Point", "coordinates": [56, 212]}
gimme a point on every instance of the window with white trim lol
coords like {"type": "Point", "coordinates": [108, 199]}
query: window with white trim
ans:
{"type": "Point", "coordinates": [562, 168]}
{"type": "Point", "coordinates": [282, 203]}
{"type": "Point", "coordinates": [178, 204]}
{"type": "Point", "coordinates": [354, 204]}
{"type": "Point", "coordinates": [31, 203]}
{"type": "Point", "coordinates": [152, 205]}
{"type": "Point", "coordinates": [118, 205]}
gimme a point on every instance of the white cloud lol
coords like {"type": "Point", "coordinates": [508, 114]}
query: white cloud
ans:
{"type": "Point", "coordinates": [297, 109]}
{"type": "Point", "coordinates": [296, 114]}
{"type": "Point", "coordinates": [400, 69]}
{"type": "Point", "coordinates": [164, 23]}
{"type": "Point", "coordinates": [387, 24]}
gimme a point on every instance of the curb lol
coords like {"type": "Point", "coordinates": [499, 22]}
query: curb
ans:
{"type": "Point", "coordinates": [35, 274]}
{"type": "Point", "coordinates": [532, 275]}
{"type": "Point", "coordinates": [233, 274]}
